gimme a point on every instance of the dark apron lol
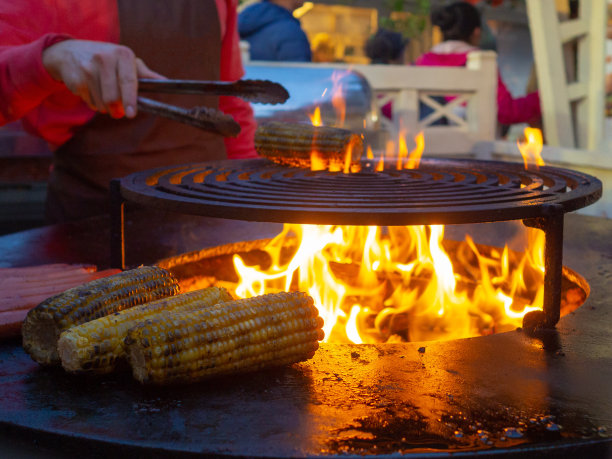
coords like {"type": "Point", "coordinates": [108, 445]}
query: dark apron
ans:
{"type": "Point", "coordinates": [178, 38]}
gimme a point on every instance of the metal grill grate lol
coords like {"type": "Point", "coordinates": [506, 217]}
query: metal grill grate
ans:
{"type": "Point", "coordinates": [439, 192]}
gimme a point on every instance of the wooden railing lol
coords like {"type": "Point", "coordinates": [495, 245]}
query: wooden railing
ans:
{"type": "Point", "coordinates": [463, 96]}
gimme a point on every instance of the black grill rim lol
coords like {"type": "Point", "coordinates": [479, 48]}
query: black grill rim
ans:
{"type": "Point", "coordinates": [489, 191]}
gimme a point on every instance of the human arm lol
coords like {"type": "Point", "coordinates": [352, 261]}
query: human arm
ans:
{"type": "Point", "coordinates": [104, 75]}
{"type": "Point", "coordinates": [24, 81]}
{"type": "Point", "coordinates": [27, 90]}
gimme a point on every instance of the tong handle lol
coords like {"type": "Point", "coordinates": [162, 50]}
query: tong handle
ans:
{"type": "Point", "coordinates": [258, 91]}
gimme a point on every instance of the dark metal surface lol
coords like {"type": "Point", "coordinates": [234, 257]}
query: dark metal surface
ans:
{"type": "Point", "coordinates": [257, 91]}
{"type": "Point", "coordinates": [310, 87]}
{"type": "Point", "coordinates": [439, 192]}
{"type": "Point", "coordinates": [462, 397]}
{"type": "Point", "coordinates": [205, 118]}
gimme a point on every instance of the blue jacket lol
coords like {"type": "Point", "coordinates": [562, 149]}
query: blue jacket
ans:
{"type": "Point", "coordinates": [273, 33]}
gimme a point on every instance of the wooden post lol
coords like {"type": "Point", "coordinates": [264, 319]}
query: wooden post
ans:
{"type": "Point", "coordinates": [482, 108]}
{"type": "Point", "coordinates": [591, 66]}
{"type": "Point", "coordinates": [573, 112]}
{"type": "Point", "coordinates": [550, 71]}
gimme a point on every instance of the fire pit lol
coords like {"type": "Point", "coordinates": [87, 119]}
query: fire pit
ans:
{"type": "Point", "coordinates": [438, 192]}
{"type": "Point", "coordinates": [504, 395]}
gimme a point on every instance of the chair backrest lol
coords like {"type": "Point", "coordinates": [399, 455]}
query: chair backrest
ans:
{"type": "Point", "coordinates": [570, 66]}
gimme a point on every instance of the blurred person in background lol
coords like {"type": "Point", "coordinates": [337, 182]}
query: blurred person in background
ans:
{"type": "Point", "coordinates": [69, 71]}
{"type": "Point", "coordinates": [460, 24]}
{"type": "Point", "coordinates": [386, 47]}
{"type": "Point", "coordinates": [273, 33]}
{"type": "Point", "coordinates": [488, 41]}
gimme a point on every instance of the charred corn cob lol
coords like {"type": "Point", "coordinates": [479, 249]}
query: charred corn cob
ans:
{"type": "Point", "coordinates": [97, 346]}
{"type": "Point", "coordinates": [42, 327]}
{"type": "Point", "coordinates": [233, 337]}
{"type": "Point", "coordinates": [296, 144]}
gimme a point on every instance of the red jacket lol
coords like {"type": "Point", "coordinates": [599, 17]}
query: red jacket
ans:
{"type": "Point", "coordinates": [510, 110]}
{"type": "Point", "coordinates": [46, 107]}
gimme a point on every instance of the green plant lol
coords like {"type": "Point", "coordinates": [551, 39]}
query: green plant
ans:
{"type": "Point", "coordinates": [409, 21]}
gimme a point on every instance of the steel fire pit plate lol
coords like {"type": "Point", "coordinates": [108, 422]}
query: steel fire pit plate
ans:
{"type": "Point", "coordinates": [440, 191]}
{"type": "Point", "coordinates": [507, 395]}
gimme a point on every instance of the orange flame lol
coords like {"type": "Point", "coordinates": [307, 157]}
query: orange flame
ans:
{"type": "Point", "coordinates": [410, 160]}
{"type": "Point", "coordinates": [402, 150]}
{"type": "Point", "coordinates": [317, 161]}
{"type": "Point", "coordinates": [382, 284]}
{"type": "Point", "coordinates": [380, 164]}
{"type": "Point", "coordinates": [375, 284]}
{"type": "Point", "coordinates": [531, 149]}
{"type": "Point", "coordinates": [414, 158]}
{"type": "Point", "coordinates": [315, 118]}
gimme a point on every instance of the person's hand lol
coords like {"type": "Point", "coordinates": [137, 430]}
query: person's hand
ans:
{"type": "Point", "coordinates": [104, 75]}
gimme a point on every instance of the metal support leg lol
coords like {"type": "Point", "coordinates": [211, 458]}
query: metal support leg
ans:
{"type": "Point", "coordinates": [552, 225]}
{"type": "Point", "coordinates": [117, 233]}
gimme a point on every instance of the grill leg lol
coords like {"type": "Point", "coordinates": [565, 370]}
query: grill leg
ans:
{"type": "Point", "coordinates": [552, 226]}
{"type": "Point", "coordinates": [117, 232]}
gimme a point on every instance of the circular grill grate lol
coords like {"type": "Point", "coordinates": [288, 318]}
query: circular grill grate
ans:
{"type": "Point", "coordinates": [441, 191]}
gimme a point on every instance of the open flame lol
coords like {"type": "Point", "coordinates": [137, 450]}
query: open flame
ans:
{"type": "Point", "coordinates": [401, 283]}
{"type": "Point", "coordinates": [406, 160]}
{"type": "Point", "coordinates": [315, 118]}
{"type": "Point", "coordinates": [531, 148]}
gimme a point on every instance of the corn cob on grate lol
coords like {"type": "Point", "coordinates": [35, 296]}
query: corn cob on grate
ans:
{"type": "Point", "coordinates": [237, 336]}
{"type": "Point", "coordinates": [293, 144]}
{"type": "Point", "coordinates": [44, 324]}
{"type": "Point", "coordinates": [97, 346]}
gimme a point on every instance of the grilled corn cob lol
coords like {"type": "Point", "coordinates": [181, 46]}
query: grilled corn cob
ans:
{"type": "Point", "coordinates": [97, 346]}
{"type": "Point", "coordinates": [233, 337]}
{"type": "Point", "coordinates": [295, 144]}
{"type": "Point", "coordinates": [42, 327]}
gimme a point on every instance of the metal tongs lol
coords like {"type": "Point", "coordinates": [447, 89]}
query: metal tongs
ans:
{"type": "Point", "coordinates": [206, 118]}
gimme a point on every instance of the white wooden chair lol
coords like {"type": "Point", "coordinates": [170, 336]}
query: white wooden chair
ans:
{"type": "Point", "coordinates": [572, 98]}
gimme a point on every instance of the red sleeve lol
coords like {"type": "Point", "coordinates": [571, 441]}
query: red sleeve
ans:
{"type": "Point", "coordinates": [24, 82]}
{"type": "Point", "coordinates": [516, 110]}
{"type": "Point", "coordinates": [231, 70]}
